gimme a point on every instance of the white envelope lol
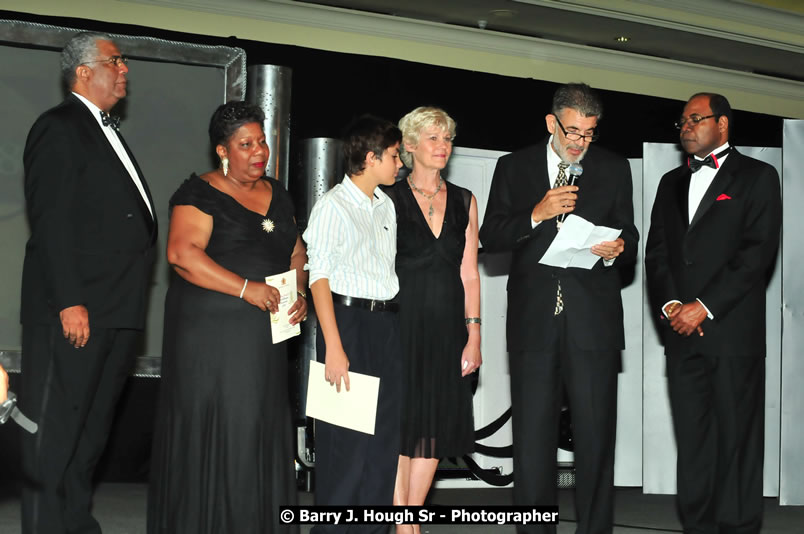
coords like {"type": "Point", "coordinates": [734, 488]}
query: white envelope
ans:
{"type": "Point", "coordinates": [355, 409]}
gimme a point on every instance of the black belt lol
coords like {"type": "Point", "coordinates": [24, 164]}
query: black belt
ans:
{"type": "Point", "coordinates": [366, 304]}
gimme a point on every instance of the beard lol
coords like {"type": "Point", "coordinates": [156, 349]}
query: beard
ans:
{"type": "Point", "coordinates": [563, 151]}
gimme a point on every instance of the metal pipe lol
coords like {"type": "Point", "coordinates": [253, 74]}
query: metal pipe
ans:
{"type": "Point", "coordinates": [269, 87]}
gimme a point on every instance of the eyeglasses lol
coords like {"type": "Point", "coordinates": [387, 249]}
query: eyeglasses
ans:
{"type": "Point", "coordinates": [693, 120]}
{"type": "Point", "coordinates": [575, 136]}
{"type": "Point", "coordinates": [117, 61]}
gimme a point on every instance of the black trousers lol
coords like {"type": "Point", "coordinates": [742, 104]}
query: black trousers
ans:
{"type": "Point", "coordinates": [72, 394]}
{"type": "Point", "coordinates": [590, 378]}
{"type": "Point", "coordinates": [718, 405]}
{"type": "Point", "coordinates": [353, 468]}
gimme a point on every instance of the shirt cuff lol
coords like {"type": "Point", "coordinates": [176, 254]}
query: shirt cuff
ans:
{"type": "Point", "coordinates": [608, 263]}
{"type": "Point", "coordinates": [317, 270]}
{"type": "Point", "coordinates": [534, 224]}
{"type": "Point", "coordinates": [708, 313]}
{"type": "Point", "coordinates": [315, 276]}
{"type": "Point", "coordinates": [665, 306]}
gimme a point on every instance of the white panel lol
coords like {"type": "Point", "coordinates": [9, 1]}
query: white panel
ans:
{"type": "Point", "coordinates": [659, 461]}
{"type": "Point", "coordinates": [659, 452]}
{"type": "Point", "coordinates": [773, 360]}
{"type": "Point", "coordinates": [474, 169]}
{"type": "Point", "coordinates": [628, 447]}
{"type": "Point", "coordinates": [792, 393]}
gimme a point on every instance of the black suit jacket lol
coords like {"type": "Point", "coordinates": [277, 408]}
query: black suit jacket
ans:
{"type": "Point", "coordinates": [592, 302]}
{"type": "Point", "coordinates": [92, 236]}
{"type": "Point", "coordinates": [723, 257]}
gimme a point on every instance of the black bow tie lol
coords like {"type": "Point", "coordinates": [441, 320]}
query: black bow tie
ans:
{"type": "Point", "coordinates": [110, 120]}
{"type": "Point", "coordinates": [709, 161]}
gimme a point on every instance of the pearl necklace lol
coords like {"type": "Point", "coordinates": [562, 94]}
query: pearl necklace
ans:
{"type": "Point", "coordinates": [425, 195]}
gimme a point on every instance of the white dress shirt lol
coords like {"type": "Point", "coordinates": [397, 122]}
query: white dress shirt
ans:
{"type": "Point", "coordinates": [351, 241]}
{"type": "Point", "coordinates": [119, 149]}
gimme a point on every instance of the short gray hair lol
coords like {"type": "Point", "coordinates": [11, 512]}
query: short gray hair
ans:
{"type": "Point", "coordinates": [580, 97]}
{"type": "Point", "coordinates": [81, 48]}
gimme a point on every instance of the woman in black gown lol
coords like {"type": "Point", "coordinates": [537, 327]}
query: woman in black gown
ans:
{"type": "Point", "coordinates": [439, 303]}
{"type": "Point", "coordinates": [223, 456]}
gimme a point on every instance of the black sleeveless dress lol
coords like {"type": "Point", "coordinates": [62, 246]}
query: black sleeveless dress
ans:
{"type": "Point", "coordinates": [223, 459]}
{"type": "Point", "coordinates": [437, 419]}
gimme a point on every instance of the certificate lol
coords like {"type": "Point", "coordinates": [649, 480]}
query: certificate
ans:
{"type": "Point", "coordinates": [355, 409]}
{"type": "Point", "coordinates": [285, 283]}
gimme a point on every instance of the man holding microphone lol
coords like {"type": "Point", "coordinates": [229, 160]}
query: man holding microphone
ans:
{"type": "Point", "coordinates": [564, 326]}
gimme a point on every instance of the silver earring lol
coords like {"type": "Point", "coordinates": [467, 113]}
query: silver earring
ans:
{"type": "Point", "coordinates": [225, 165]}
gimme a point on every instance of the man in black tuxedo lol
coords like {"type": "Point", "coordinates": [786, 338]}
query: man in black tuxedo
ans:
{"type": "Point", "coordinates": [564, 326]}
{"type": "Point", "coordinates": [85, 277]}
{"type": "Point", "coordinates": [713, 238]}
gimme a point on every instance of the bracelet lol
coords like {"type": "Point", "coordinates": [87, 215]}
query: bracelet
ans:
{"type": "Point", "coordinates": [301, 293]}
{"type": "Point", "coordinates": [470, 320]}
{"type": "Point", "coordinates": [242, 291]}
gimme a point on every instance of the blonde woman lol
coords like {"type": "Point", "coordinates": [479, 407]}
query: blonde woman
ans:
{"type": "Point", "coordinates": [439, 299]}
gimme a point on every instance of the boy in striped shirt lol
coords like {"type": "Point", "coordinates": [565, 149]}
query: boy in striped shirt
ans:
{"type": "Point", "coordinates": [351, 248]}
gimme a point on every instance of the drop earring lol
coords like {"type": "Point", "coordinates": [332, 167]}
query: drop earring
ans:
{"type": "Point", "coordinates": [225, 166]}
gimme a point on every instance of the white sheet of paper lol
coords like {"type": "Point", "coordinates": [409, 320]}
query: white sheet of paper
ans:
{"type": "Point", "coordinates": [281, 329]}
{"type": "Point", "coordinates": [355, 409]}
{"type": "Point", "coordinates": [574, 241]}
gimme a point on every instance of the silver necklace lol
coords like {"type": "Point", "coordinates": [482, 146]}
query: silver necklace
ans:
{"type": "Point", "coordinates": [428, 197]}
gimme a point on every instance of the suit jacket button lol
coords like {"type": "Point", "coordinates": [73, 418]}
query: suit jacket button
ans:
{"type": "Point", "coordinates": [687, 262]}
{"type": "Point", "coordinates": [129, 215]}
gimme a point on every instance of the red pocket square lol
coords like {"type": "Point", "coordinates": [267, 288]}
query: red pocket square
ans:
{"type": "Point", "coordinates": [723, 196]}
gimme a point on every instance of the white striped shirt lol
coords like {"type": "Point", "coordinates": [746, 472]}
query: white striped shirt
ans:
{"type": "Point", "coordinates": [351, 241]}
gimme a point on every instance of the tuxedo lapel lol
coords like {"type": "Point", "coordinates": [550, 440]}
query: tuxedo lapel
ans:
{"type": "Point", "coordinates": [543, 176]}
{"type": "Point", "coordinates": [683, 197]}
{"type": "Point", "coordinates": [721, 182]}
{"type": "Point", "coordinates": [96, 131]}
{"type": "Point", "coordinates": [149, 215]}
{"type": "Point", "coordinates": [533, 180]}
{"type": "Point", "coordinates": [107, 151]}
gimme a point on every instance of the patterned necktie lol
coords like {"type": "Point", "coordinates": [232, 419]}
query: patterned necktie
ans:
{"type": "Point", "coordinates": [110, 120]}
{"type": "Point", "coordinates": [561, 180]}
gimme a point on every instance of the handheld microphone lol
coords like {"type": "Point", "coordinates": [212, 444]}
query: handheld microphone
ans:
{"type": "Point", "coordinates": [575, 171]}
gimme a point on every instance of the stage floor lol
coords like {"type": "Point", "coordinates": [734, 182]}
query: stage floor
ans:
{"type": "Point", "coordinates": [120, 509]}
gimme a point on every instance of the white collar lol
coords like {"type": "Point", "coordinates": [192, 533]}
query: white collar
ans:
{"type": "Point", "coordinates": [357, 194]}
{"type": "Point", "coordinates": [94, 110]}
